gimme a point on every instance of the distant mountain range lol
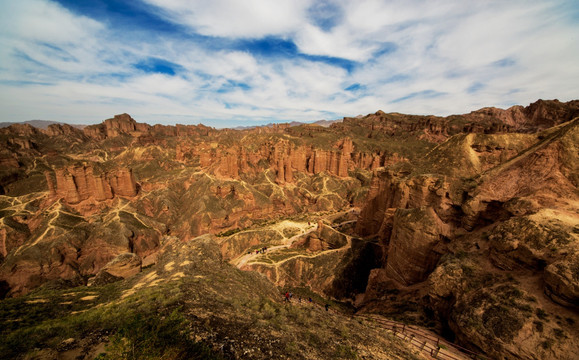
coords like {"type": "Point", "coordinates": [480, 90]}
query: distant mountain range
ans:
{"type": "Point", "coordinates": [40, 124]}
{"type": "Point", "coordinates": [43, 124]}
{"type": "Point", "coordinates": [323, 123]}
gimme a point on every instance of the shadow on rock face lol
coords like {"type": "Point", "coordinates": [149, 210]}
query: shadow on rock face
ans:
{"type": "Point", "coordinates": [4, 289]}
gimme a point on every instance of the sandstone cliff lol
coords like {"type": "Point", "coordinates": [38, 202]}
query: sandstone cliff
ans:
{"type": "Point", "coordinates": [494, 201]}
{"type": "Point", "coordinates": [78, 183]}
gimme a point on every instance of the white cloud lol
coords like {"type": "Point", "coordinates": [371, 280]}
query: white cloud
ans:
{"type": "Point", "coordinates": [240, 19]}
{"type": "Point", "coordinates": [45, 21]}
{"type": "Point", "coordinates": [445, 57]}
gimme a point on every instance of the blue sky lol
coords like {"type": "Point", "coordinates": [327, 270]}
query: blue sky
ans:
{"type": "Point", "coordinates": [230, 63]}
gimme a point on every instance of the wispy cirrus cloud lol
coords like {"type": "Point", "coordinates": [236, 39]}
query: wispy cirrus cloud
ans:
{"type": "Point", "coordinates": [227, 63]}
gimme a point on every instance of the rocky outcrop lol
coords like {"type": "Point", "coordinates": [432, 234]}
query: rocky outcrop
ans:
{"type": "Point", "coordinates": [8, 161]}
{"type": "Point", "coordinates": [122, 182]}
{"type": "Point", "coordinates": [415, 245]}
{"type": "Point", "coordinates": [283, 157]}
{"type": "Point", "coordinates": [391, 190]}
{"type": "Point", "coordinates": [324, 238]}
{"type": "Point", "coordinates": [22, 130]}
{"type": "Point", "coordinates": [118, 125]}
{"type": "Point", "coordinates": [539, 115]}
{"type": "Point", "coordinates": [79, 183]}
{"type": "Point", "coordinates": [562, 281]}
{"type": "Point", "coordinates": [477, 202]}
{"type": "Point", "coordinates": [62, 130]}
{"type": "Point", "coordinates": [121, 267]}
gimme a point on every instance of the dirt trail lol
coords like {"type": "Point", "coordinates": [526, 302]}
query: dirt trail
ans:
{"type": "Point", "coordinates": [241, 261]}
{"type": "Point", "coordinates": [245, 259]}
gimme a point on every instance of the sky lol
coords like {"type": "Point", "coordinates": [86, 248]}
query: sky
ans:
{"type": "Point", "coordinates": [227, 63]}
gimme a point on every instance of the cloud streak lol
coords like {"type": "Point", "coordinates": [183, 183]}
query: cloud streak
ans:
{"type": "Point", "coordinates": [229, 63]}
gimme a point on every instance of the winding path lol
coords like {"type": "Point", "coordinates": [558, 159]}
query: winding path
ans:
{"type": "Point", "coordinates": [240, 261]}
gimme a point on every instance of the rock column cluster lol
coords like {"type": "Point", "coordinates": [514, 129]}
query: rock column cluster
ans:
{"type": "Point", "coordinates": [77, 183]}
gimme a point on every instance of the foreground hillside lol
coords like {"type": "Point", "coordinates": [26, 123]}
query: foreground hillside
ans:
{"type": "Point", "coordinates": [190, 305]}
{"type": "Point", "coordinates": [465, 226]}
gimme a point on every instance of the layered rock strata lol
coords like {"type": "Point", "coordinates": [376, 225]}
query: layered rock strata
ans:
{"type": "Point", "coordinates": [78, 183]}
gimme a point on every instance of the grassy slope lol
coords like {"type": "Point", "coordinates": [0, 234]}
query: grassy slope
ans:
{"type": "Point", "coordinates": [189, 305]}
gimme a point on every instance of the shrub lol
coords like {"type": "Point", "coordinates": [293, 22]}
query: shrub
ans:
{"type": "Point", "coordinates": [541, 314]}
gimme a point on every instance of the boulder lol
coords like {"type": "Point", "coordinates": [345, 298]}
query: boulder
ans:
{"type": "Point", "coordinates": [562, 281]}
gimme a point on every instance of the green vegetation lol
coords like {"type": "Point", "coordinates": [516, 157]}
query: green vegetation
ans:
{"type": "Point", "coordinates": [541, 314]}
{"type": "Point", "coordinates": [144, 326]}
{"type": "Point", "coordinates": [229, 232]}
{"type": "Point", "coordinates": [559, 333]}
{"type": "Point", "coordinates": [502, 322]}
{"type": "Point", "coordinates": [153, 337]}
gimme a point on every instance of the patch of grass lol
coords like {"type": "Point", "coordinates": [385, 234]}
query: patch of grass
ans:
{"type": "Point", "coordinates": [501, 322]}
{"type": "Point", "coordinates": [46, 317]}
{"type": "Point", "coordinates": [525, 308]}
{"type": "Point", "coordinates": [148, 336]}
{"type": "Point", "coordinates": [345, 352]}
{"type": "Point", "coordinates": [229, 232]}
{"type": "Point", "coordinates": [468, 270]}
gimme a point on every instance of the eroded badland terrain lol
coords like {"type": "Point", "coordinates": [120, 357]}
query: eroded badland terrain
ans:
{"type": "Point", "coordinates": [125, 240]}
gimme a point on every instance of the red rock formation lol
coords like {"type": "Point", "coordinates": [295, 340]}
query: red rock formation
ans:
{"type": "Point", "coordinates": [539, 115]}
{"type": "Point", "coordinates": [62, 130]}
{"type": "Point", "coordinates": [24, 130]}
{"type": "Point", "coordinates": [119, 124]}
{"type": "Point", "coordinates": [50, 183]}
{"type": "Point", "coordinates": [8, 161]}
{"type": "Point", "coordinates": [79, 183]}
{"type": "Point", "coordinates": [123, 182]}
{"type": "Point", "coordinates": [228, 165]}
{"type": "Point", "coordinates": [22, 143]}
{"type": "Point", "coordinates": [280, 174]}
{"type": "Point", "coordinates": [413, 254]}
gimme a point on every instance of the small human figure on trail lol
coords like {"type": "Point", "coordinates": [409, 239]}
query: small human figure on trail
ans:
{"type": "Point", "coordinates": [300, 299]}
{"type": "Point", "coordinates": [287, 296]}
{"type": "Point", "coordinates": [327, 307]}
{"type": "Point", "coordinates": [310, 299]}
{"type": "Point", "coordinates": [291, 295]}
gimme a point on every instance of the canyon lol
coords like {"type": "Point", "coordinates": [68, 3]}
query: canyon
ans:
{"type": "Point", "coordinates": [466, 225]}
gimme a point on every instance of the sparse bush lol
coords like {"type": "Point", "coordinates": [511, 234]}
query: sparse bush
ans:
{"type": "Point", "coordinates": [559, 333]}
{"type": "Point", "coordinates": [531, 298]}
{"type": "Point", "coordinates": [541, 314]}
{"type": "Point", "coordinates": [501, 322]}
{"type": "Point", "coordinates": [268, 311]}
{"type": "Point", "coordinates": [345, 352]}
{"type": "Point", "coordinates": [547, 344]}
{"type": "Point", "coordinates": [538, 325]}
